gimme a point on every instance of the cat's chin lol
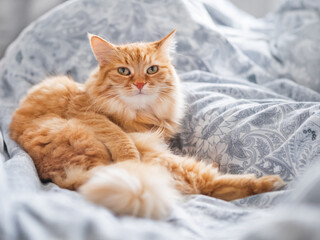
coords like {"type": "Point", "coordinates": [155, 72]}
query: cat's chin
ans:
{"type": "Point", "coordinates": [140, 100]}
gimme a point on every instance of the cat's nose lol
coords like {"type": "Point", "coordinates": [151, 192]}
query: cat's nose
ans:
{"type": "Point", "coordinates": [139, 85]}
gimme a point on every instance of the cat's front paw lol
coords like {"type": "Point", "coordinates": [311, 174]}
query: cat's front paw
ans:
{"type": "Point", "coordinates": [128, 156]}
{"type": "Point", "coordinates": [267, 183]}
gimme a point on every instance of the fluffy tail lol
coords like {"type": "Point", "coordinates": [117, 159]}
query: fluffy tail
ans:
{"type": "Point", "coordinates": [132, 188]}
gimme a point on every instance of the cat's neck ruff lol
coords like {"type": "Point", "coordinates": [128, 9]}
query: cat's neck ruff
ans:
{"type": "Point", "coordinates": [139, 101]}
{"type": "Point", "coordinates": [129, 108]}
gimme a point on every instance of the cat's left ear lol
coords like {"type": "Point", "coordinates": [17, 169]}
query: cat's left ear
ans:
{"type": "Point", "coordinates": [167, 44]}
{"type": "Point", "coordinates": [103, 50]}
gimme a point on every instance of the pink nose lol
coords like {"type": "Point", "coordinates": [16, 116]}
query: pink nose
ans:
{"type": "Point", "coordinates": [139, 85]}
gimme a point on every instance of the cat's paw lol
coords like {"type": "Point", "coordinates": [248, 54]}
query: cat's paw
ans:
{"type": "Point", "coordinates": [267, 183]}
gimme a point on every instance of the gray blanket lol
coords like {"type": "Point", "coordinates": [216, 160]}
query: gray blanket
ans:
{"type": "Point", "coordinates": [253, 105]}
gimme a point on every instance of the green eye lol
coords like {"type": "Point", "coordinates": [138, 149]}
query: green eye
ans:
{"type": "Point", "coordinates": [152, 69]}
{"type": "Point", "coordinates": [124, 71]}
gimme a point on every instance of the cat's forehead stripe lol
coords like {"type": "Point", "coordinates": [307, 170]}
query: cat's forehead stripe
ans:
{"type": "Point", "coordinates": [135, 53]}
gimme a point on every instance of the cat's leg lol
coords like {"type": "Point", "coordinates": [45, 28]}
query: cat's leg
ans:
{"type": "Point", "coordinates": [118, 142]}
{"type": "Point", "coordinates": [194, 177]}
{"type": "Point", "coordinates": [230, 187]}
{"type": "Point", "coordinates": [199, 177]}
{"type": "Point", "coordinates": [63, 150]}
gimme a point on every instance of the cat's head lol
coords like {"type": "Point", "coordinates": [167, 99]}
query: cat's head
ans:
{"type": "Point", "coordinates": [137, 74]}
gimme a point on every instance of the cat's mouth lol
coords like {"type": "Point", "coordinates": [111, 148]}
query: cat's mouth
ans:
{"type": "Point", "coordinates": [139, 93]}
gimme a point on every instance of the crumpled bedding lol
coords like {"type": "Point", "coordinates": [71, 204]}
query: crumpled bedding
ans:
{"type": "Point", "coordinates": [252, 105]}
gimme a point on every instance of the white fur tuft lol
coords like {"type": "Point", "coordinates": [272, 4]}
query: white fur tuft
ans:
{"type": "Point", "coordinates": [131, 188]}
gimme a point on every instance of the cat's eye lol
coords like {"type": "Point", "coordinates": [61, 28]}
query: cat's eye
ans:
{"type": "Point", "coordinates": [152, 69]}
{"type": "Point", "coordinates": [124, 71]}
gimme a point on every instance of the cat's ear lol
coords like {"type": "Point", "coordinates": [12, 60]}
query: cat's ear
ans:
{"type": "Point", "coordinates": [102, 49]}
{"type": "Point", "coordinates": [167, 44]}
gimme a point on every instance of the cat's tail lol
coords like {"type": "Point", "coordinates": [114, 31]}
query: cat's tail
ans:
{"type": "Point", "coordinates": [132, 188]}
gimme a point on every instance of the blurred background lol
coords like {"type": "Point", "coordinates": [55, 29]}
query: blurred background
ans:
{"type": "Point", "coordinates": [17, 14]}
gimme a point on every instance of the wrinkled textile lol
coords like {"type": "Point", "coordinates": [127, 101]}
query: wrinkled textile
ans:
{"type": "Point", "coordinates": [252, 105]}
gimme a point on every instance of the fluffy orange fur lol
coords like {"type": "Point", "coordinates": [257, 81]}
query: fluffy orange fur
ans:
{"type": "Point", "coordinates": [107, 138]}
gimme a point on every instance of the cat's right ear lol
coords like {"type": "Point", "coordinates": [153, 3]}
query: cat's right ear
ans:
{"type": "Point", "coordinates": [102, 50]}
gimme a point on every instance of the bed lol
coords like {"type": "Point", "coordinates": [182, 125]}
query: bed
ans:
{"type": "Point", "coordinates": [252, 88]}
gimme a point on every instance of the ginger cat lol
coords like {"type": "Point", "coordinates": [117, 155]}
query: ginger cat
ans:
{"type": "Point", "coordinates": [107, 138]}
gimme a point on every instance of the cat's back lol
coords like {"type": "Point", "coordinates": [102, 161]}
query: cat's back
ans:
{"type": "Point", "coordinates": [51, 96]}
